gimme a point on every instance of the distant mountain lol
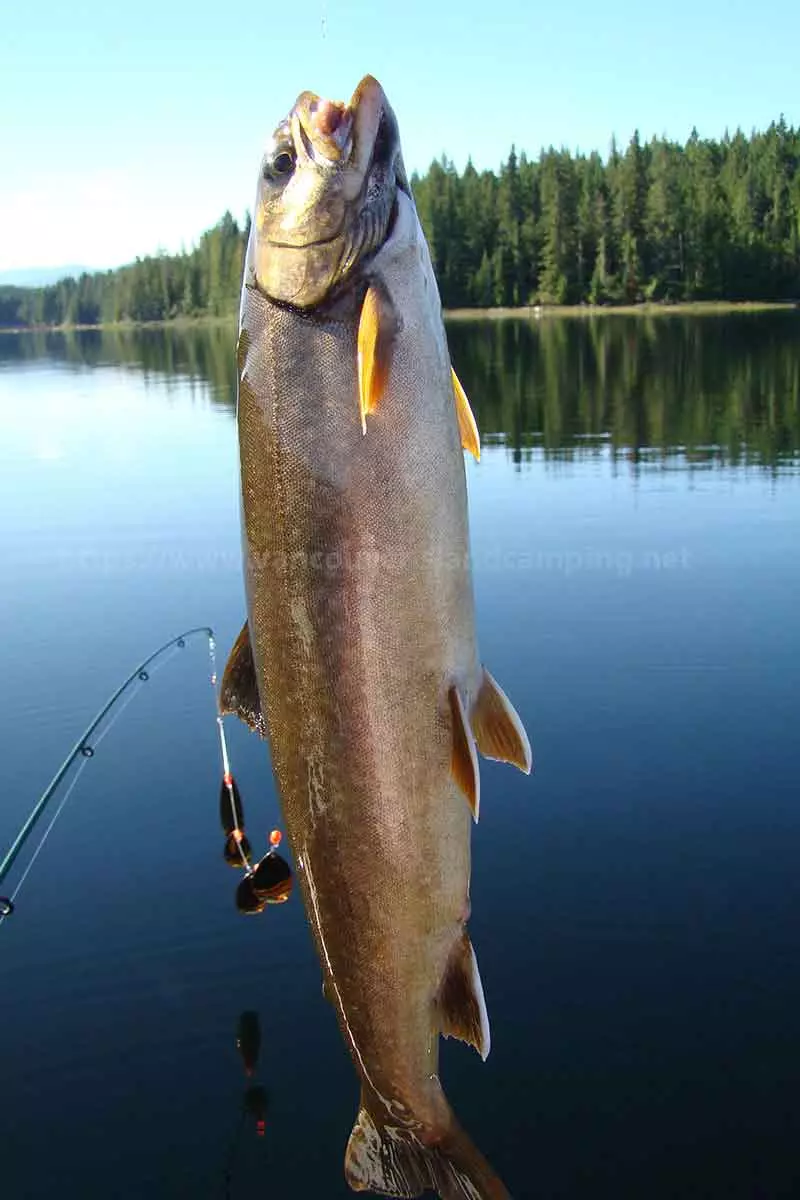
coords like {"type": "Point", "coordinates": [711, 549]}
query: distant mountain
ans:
{"type": "Point", "coordinates": [40, 276]}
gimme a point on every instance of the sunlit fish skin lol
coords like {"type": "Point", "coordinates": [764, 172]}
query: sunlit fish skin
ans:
{"type": "Point", "coordinates": [361, 650]}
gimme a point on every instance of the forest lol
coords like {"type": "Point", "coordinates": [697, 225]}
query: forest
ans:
{"type": "Point", "coordinates": [659, 221]}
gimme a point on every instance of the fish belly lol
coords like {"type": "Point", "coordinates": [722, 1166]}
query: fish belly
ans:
{"type": "Point", "coordinates": [361, 618]}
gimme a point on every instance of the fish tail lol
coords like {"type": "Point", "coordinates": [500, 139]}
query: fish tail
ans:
{"type": "Point", "coordinates": [387, 1157]}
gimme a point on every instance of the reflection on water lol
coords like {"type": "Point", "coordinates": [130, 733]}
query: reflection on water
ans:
{"type": "Point", "coordinates": [255, 1101]}
{"type": "Point", "coordinates": [202, 353]}
{"type": "Point", "coordinates": [719, 388]}
{"type": "Point", "coordinates": [722, 388]}
{"type": "Point", "coordinates": [634, 523]}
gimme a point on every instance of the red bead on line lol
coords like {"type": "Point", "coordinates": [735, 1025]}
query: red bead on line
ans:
{"type": "Point", "coordinates": [275, 838]}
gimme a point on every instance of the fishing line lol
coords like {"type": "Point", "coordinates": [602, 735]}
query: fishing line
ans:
{"type": "Point", "coordinates": [230, 800]}
{"type": "Point", "coordinates": [269, 881]}
{"type": "Point", "coordinates": [139, 684]}
{"type": "Point", "coordinates": [85, 748]}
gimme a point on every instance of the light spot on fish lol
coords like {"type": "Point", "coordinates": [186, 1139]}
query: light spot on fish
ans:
{"type": "Point", "coordinates": [401, 1112]}
{"type": "Point", "coordinates": [467, 1186]}
{"type": "Point", "coordinates": [302, 624]}
{"type": "Point", "coordinates": [317, 798]}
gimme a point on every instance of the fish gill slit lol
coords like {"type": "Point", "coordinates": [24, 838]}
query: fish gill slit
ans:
{"type": "Point", "coordinates": [354, 248]}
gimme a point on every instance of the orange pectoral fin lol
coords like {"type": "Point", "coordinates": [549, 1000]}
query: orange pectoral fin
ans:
{"type": "Point", "coordinates": [377, 328]}
{"type": "Point", "coordinates": [467, 425]}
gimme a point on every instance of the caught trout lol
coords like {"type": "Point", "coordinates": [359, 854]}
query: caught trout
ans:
{"type": "Point", "coordinates": [358, 659]}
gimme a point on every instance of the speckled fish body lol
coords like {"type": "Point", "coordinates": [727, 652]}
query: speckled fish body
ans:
{"type": "Point", "coordinates": [361, 629]}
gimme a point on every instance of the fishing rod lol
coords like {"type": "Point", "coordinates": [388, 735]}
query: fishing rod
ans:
{"type": "Point", "coordinates": [268, 881]}
{"type": "Point", "coordinates": [84, 748]}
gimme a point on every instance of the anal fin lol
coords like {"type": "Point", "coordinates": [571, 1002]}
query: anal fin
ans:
{"type": "Point", "coordinates": [464, 757]}
{"type": "Point", "coordinates": [499, 732]}
{"type": "Point", "coordinates": [462, 1007]}
{"type": "Point", "coordinates": [239, 690]}
{"type": "Point", "coordinates": [467, 425]}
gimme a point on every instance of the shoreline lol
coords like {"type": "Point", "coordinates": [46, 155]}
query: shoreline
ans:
{"type": "Point", "coordinates": [527, 312]}
{"type": "Point", "coordinates": [536, 312]}
{"type": "Point", "coordinates": [126, 326]}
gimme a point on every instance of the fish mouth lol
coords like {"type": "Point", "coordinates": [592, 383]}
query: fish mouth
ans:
{"type": "Point", "coordinates": [354, 135]}
{"type": "Point", "coordinates": [358, 142]}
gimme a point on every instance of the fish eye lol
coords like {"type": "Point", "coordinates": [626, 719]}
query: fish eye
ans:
{"type": "Point", "coordinates": [281, 164]}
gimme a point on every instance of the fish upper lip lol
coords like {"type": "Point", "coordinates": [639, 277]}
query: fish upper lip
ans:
{"type": "Point", "coordinates": [385, 127]}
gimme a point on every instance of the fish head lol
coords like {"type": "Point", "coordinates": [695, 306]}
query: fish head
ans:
{"type": "Point", "coordinates": [326, 194]}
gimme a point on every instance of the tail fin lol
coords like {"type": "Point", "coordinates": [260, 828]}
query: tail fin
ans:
{"type": "Point", "coordinates": [393, 1160]}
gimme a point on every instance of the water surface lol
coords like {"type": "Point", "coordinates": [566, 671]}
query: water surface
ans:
{"type": "Point", "coordinates": [635, 519]}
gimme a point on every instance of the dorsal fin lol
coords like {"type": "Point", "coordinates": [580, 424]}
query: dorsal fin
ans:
{"type": "Point", "coordinates": [499, 732]}
{"type": "Point", "coordinates": [464, 756]}
{"type": "Point", "coordinates": [239, 690]}
{"type": "Point", "coordinates": [377, 329]}
{"type": "Point", "coordinates": [467, 425]}
{"type": "Point", "coordinates": [461, 1003]}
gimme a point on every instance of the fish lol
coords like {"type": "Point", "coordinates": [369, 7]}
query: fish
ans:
{"type": "Point", "coordinates": [358, 659]}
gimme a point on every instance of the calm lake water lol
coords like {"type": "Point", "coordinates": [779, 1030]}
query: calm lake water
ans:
{"type": "Point", "coordinates": [635, 523]}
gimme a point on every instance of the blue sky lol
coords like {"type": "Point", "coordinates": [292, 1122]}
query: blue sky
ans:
{"type": "Point", "coordinates": [128, 127]}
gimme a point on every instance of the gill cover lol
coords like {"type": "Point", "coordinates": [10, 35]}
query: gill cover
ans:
{"type": "Point", "coordinates": [325, 196]}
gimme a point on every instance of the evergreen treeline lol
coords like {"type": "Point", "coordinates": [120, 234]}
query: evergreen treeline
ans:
{"type": "Point", "coordinates": [708, 220]}
{"type": "Point", "coordinates": [204, 282]}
